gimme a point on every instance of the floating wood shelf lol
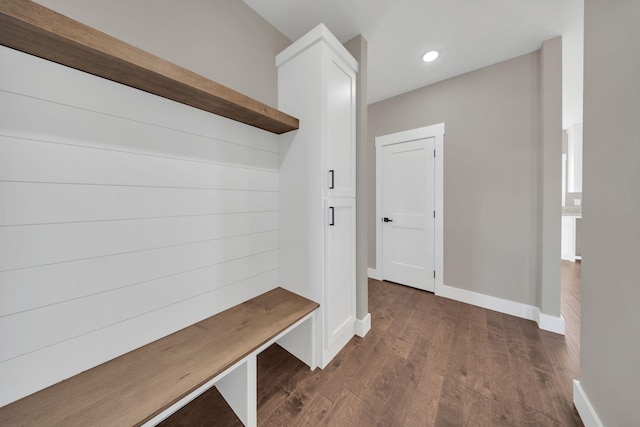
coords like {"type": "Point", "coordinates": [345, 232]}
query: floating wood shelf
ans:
{"type": "Point", "coordinates": [37, 30]}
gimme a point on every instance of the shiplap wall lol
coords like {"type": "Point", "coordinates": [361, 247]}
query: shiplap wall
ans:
{"type": "Point", "coordinates": [123, 217]}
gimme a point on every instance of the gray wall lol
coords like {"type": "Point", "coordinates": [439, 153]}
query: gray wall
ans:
{"type": "Point", "coordinates": [490, 173]}
{"type": "Point", "coordinates": [610, 348]}
{"type": "Point", "coordinates": [224, 40]}
{"type": "Point", "coordinates": [550, 177]}
{"type": "Point", "coordinates": [357, 46]}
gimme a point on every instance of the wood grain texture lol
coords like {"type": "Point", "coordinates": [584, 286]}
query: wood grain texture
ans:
{"type": "Point", "coordinates": [427, 361]}
{"type": "Point", "coordinates": [134, 387]}
{"type": "Point", "coordinates": [37, 30]}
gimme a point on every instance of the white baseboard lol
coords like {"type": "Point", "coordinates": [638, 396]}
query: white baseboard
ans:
{"type": "Point", "coordinates": [525, 311]}
{"type": "Point", "coordinates": [549, 323]}
{"type": "Point", "coordinates": [374, 274]}
{"type": "Point", "coordinates": [363, 326]}
{"type": "Point", "coordinates": [584, 407]}
{"type": "Point", "coordinates": [517, 309]}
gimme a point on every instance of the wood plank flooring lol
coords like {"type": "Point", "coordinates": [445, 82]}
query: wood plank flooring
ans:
{"type": "Point", "coordinates": [427, 361]}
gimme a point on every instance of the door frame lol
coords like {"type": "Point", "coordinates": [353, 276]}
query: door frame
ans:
{"type": "Point", "coordinates": [434, 131]}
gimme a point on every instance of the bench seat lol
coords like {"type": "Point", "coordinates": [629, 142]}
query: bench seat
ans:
{"type": "Point", "coordinates": [137, 386]}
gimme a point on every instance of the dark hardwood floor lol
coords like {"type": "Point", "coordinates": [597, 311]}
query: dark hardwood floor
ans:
{"type": "Point", "coordinates": [427, 361]}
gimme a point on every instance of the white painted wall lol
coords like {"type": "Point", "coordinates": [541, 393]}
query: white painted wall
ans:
{"type": "Point", "coordinates": [572, 70]}
{"type": "Point", "coordinates": [123, 217]}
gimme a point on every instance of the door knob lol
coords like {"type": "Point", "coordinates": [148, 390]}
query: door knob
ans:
{"type": "Point", "coordinates": [385, 219]}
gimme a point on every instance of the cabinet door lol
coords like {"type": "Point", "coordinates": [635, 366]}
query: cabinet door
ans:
{"type": "Point", "coordinates": [339, 307]}
{"type": "Point", "coordinates": [568, 239]}
{"type": "Point", "coordinates": [340, 147]}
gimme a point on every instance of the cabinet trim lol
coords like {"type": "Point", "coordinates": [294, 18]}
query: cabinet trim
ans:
{"type": "Point", "coordinates": [319, 33]}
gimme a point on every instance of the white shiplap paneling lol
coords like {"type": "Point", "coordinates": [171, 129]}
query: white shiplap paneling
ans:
{"type": "Point", "coordinates": [29, 288]}
{"type": "Point", "coordinates": [123, 217]}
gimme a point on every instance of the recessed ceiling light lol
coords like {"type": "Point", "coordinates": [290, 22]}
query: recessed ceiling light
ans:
{"type": "Point", "coordinates": [430, 56]}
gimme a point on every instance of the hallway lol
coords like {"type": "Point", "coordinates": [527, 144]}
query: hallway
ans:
{"type": "Point", "coordinates": [426, 361]}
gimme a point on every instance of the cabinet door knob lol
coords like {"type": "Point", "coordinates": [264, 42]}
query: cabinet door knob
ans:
{"type": "Point", "coordinates": [332, 222]}
{"type": "Point", "coordinates": [385, 219]}
{"type": "Point", "coordinates": [332, 181]}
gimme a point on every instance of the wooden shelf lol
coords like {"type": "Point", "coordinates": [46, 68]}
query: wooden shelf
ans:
{"type": "Point", "coordinates": [37, 30]}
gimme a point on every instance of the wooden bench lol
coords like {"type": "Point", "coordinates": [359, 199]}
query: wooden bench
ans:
{"type": "Point", "coordinates": [148, 384]}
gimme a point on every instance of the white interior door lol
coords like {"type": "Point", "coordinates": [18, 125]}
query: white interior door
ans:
{"type": "Point", "coordinates": [408, 213]}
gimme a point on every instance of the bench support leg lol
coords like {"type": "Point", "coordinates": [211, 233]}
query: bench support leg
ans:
{"type": "Point", "coordinates": [239, 389]}
{"type": "Point", "coordinates": [301, 341]}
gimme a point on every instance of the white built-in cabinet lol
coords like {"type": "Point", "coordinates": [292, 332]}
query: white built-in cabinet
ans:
{"type": "Point", "coordinates": [574, 159]}
{"type": "Point", "coordinates": [568, 239]}
{"type": "Point", "coordinates": [316, 83]}
{"type": "Point", "coordinates": [568, 246]}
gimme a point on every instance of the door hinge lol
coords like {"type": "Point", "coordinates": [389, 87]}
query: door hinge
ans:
{"type": "Point", "coordinates": [434, 274]}
{"type": "Point", "coordinates": [434, 153]}
{"type": "Point", "coordinates": [434, 214]}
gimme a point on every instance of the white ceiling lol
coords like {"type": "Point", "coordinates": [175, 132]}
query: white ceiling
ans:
{"type": "Point", "coordinates": [469, 34]}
